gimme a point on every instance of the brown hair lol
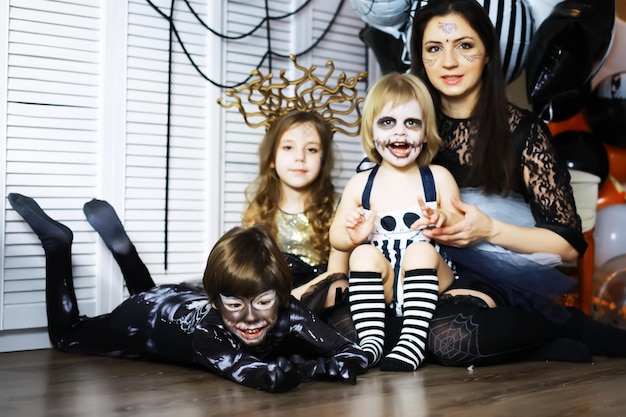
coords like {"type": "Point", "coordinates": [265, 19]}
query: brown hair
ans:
{"type": "Point", "coordinates": [399, 89]}
{"type": "Point", "coordinates": [246, 262]}
{"type": "Point", "coordinates": [492, 165]}
{"type": "Point", "coordinates": [264, 193]}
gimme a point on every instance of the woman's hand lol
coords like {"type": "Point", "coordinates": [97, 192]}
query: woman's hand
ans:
{"type": "Point", "coordinates": [474, 227]}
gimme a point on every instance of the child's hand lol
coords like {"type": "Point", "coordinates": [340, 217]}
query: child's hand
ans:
{"type": "Point", "coordinates": [285, 375]}
{"type": "Point", "coordinates": [359, 226]}
{"type": "Point", "coordinates": [430, 217]}
{"type": "Point", "coordinates": [332, 369]}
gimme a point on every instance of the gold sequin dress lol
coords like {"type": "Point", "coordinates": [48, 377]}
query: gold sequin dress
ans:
{"type": "Point", "coordinates": [294, 240]}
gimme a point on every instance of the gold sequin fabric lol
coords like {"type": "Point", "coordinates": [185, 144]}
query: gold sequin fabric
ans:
{"type": "Point", "coordinates": [294, 236]}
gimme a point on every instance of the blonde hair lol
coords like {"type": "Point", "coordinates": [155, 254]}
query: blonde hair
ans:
{"type": "Point", "coordinates": [264, 193]}
{"type": "Point", "coordinates": [399, 89]}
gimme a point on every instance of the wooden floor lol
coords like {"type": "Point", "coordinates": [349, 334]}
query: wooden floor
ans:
{"type": "Point", "coordinates": [51, 383]}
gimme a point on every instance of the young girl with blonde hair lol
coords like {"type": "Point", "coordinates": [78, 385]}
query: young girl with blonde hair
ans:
{"type": "Point", "coordinates": [394, 270]}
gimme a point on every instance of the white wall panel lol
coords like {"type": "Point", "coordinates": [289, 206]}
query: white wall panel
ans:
{"type": "Point", "coordinates": [85, 113]}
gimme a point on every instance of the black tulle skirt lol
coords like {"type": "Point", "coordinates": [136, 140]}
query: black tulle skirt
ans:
{"type": "Point", "coordinates": [522, 281]}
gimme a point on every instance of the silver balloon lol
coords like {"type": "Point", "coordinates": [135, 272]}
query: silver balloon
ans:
{"type": "Point", "coordinates": [609, 292]}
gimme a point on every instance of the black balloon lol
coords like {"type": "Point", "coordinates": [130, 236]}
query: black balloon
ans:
{"type": "Point", "coordinates": [386, 48]}
{"type": "Point", "coordinates": [563, 106]}
{"type": "Point", "coordinates": [606, 111]}
{"type": "Point", "coordinates": [566, 51]}
{"type": "Point", "coordinates": [607, 118]}
{"type": "Point", "coordinates": [582, 151]}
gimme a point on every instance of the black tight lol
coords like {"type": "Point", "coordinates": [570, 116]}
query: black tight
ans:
{"type": "Point", "coordinates": [56, 239]}
{"type": "Point", "coordinates": [155, 322]}
{"type": "Point", "coordinates": [102, 217]}
{"type": "Point", "coordinates": [465, 331]}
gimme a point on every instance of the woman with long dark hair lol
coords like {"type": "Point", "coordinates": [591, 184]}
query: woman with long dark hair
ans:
{"type": "Point", "coordinates": [520, 217]}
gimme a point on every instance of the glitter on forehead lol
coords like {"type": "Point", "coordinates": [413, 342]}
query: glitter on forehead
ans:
{"type": "Point", "coordinates": [447, 27]}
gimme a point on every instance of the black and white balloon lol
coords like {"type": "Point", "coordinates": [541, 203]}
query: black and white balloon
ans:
{"type": "Point", "coordinates": [541, 9]}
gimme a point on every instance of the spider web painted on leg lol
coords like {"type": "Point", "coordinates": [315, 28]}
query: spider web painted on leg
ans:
{"type": "Point", "coordinates": [454, 339]}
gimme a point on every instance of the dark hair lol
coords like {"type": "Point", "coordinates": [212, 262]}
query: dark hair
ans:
{"type": "Point", "coordinates": [246, 262]}
{"type": "Point", "coordinates": [492, 166]}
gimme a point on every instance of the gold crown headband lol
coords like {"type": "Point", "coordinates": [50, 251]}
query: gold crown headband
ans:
{"type": "Point", "coordinates": [309, 93]}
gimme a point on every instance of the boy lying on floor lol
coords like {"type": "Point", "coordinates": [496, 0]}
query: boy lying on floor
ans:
{"type": "Point", "coordinates": [249, 329]}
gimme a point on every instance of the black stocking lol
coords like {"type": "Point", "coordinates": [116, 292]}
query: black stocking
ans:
{"type": "Point", "coordinates": [601, 339]}
{"type": "Point", "coordinates": [464, 332]}
{"type": "Point", "coordinates": [102, 217]}
{"type": "Point", "coordinates": [56, 239]}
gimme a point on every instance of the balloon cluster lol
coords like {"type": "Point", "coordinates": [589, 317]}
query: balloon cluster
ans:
{"type": "Point", "coordinates": [587, 118]}
{"type": "Point", "coordinates": [561, 44]}
{"type": "Point", "coordinates": [389, 22]}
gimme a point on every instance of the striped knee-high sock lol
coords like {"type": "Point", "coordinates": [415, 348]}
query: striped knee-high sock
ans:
{"type": "Point", "coordinates": [367, 305]}
{"type": "Point", "coordinates": [421, 291]}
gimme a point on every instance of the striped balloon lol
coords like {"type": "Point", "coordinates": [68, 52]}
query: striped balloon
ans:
{"type": "Point", "coordinates": [541, 9]}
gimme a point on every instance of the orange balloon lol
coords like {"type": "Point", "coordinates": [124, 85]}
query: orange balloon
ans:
{"type": "Point", "coordinates": [617, 162]}
{"type": "Point", "coordinates": [611, 193]}
{"type": "Point", "coordinates": [577, 123]}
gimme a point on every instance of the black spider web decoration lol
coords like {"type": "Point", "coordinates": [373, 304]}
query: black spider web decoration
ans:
{"type": "Point", "coordinates": [267, 56]}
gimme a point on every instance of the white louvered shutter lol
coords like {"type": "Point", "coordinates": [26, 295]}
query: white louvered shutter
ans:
{"type": "Point", "coordinates": [86, 99]}
{"type": "Point", "coordinates": [341, 45]}
{"type": "Point", "coordinates": [147, 177]}
{"type": "Point", "coordinates": [52, 104]}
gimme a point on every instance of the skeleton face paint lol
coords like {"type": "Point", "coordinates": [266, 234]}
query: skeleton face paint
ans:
{"type": "Point", "coordinates": [398, 133]}
{"type": "Point", "coordinates": [250, 319]}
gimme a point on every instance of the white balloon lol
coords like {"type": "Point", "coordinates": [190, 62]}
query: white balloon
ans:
{"type": "Point", "coordinates": [541, 9]}
{"type": "Point", "coordinates": [610, 233]}
{"type": "Point", "coordinates": [615, 61]}
{"type": "Point", "coordinates": [612, 87]}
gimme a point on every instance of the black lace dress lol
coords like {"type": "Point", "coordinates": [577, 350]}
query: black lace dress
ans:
{"type": "Point", "coordinates": [545, 199]}
{"type": "Point", "coordinates": [547, 191]}
{"type": "Point", "coordinates": [526, 324]}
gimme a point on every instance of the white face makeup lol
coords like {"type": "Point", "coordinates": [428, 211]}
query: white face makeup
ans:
{"type": "Point", "coordinates": [398, 133]}
{"type": "Point", "coordinates": [250, 319]}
